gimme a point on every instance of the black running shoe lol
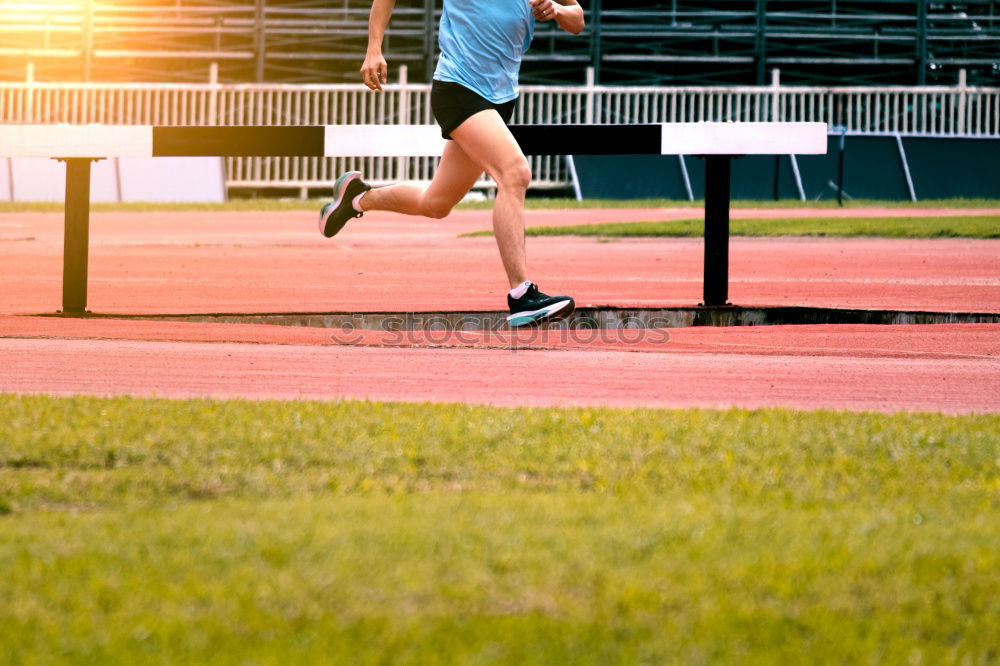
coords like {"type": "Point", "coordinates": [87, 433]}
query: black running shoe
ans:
{"type": "Point", "coordinates": [535, 307]}
{"type": "Point", "coordinates": [335, 214]}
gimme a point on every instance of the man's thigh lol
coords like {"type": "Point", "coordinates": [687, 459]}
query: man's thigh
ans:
{"type": "Point", "coordinates": [455, 175]}
{"type": "Point", "coordinates": [486, 140]}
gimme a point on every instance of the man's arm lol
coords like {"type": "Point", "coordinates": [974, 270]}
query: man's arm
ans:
{"type": "Point", "coordinates": [567, 13]}
{"type": "Point", "coordinates": [375, 71]}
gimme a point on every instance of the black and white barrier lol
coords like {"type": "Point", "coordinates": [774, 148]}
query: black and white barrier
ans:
{"type": "Point", "coordinates": [718, 143]}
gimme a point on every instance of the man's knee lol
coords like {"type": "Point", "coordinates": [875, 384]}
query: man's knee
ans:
{"type": "Point", "coordinates": [515, 176]}
{"type": "Point", "coordinates": [435, 208]}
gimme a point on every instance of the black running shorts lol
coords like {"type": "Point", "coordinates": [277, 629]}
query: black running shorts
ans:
{"type": "Point", "coordinates": [452, 104]}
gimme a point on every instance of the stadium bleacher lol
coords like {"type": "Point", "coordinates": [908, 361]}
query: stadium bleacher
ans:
{"type": "Point", "coordinates": [629, 42]}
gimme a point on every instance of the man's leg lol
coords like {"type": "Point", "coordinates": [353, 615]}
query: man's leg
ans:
{"type": "Point", "coordinates": [481, 143]}
{"type": "Point", "coordinates": [455, 176]}
{"type": "Point", "coordinates": [486, 140]}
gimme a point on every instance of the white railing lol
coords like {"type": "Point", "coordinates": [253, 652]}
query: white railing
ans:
{"type": "Point", "coordinates": [960, 111]}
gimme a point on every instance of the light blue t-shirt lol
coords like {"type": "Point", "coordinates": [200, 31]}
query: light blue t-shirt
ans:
{"type": "Point", "coordinates": [482, 42]}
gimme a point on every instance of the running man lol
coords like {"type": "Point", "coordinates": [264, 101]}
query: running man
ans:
{"type": "Point", "coordinates": [472, 98]}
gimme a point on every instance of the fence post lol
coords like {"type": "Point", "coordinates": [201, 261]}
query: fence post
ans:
{"type": "Point", "coordinates": [29, 95]}
{"type": "Point", "coordinates": [588, 112]}
{"type": "Point", "coordinates": [213, 94]}
{"type": "Point", "coordinates": [963, 94]}
{"type": "Point", "coordinates": [403, 163]}
{"type": "Point", "coordinates": [775, 94]}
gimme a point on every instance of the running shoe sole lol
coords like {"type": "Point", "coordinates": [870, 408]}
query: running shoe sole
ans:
{"type": "Point", "coordinates": [326, 227]}
{"type": "Point", "coordinates": [553, 312]}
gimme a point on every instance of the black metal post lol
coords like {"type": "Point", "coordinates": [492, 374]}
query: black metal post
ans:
{"type": "Point", "coordinates": [260, 39]}
{"type": "Point", "coordinates": [87, 30]}
{"type": "Point", "coordinates": [760, 42]}
{"type": "Point", "coordinates": [430, 39]}
{"type": "Point", "coordinates": [776, 192]}
{"type": "Point", "coordinates": [840, 168]}
{"type": "Point", "coordinates": [595, 39]}
{"type": "Point", "coordinates": [921, 42]}
{"type": "Point", "coordinates": [718, 171]}
{"type": "Point", "coordinates": [76, 234]}
{"type": "Point", "coordinates": [87, 52]}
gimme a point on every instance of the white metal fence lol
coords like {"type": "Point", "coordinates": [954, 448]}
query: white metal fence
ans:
{"type": "Point", "coordinates": [959, 110]}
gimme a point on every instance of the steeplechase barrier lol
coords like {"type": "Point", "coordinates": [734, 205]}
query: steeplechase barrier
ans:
{"type": "Point", "coordinates": [718, 143]}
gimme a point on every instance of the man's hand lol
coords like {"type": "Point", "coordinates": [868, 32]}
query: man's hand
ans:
{"type": "Point", "coordinates": [567, 13]}
{"type": "Point", "coordinates": [544, 10]}
{"type": "Point", "coordinates": [375, 71]}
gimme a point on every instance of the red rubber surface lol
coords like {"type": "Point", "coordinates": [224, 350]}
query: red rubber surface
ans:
{"type": "Point", "coordinates": [261, 262]}
{"type": "Point", "coordinates": [499, 377]}
{"type": "Point", "coordinates": [940, 341]}
{"type": "Point", "coordinates": [950, 368]}
{"type": "Point", "coordinates": [278, 262]}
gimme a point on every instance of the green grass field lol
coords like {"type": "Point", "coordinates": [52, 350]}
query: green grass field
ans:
{"type": "Point", "coordinates": [532, 203]}
{"type": "Point", "coordinates": [968, 226]}
{"type": "Point", "coordinates": [152, 531]}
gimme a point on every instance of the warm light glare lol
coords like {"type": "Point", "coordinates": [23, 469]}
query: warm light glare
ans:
{"type": "Point", "coordinates": [64, 6]}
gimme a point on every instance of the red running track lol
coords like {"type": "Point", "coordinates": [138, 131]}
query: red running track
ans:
{"type": "Point", "coordinates": [952, 369]}
{"type": "Point", "coordinates": [277, 262]}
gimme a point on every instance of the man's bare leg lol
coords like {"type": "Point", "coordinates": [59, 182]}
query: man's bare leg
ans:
{"type": "Point", "coordinates": [485, 139]}
{"type": "Point", "coordinates": [481, 143]}
{"type": "Point", "coordinates": [455, 176]}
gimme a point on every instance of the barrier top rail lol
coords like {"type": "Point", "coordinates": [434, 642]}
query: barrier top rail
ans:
{"type": "Point", "coordinates": [707, 138]}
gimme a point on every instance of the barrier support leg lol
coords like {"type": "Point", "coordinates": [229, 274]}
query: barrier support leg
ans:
{"type": "Point", "coordinates": [76, 234]}
{"type": "Point", "coordinates": [718, 170]}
